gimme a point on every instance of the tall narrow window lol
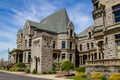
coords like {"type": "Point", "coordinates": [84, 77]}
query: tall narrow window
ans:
{"type": "Point", "coordinates": [25, 57]}
{"type": "Point", "coordinates": [54, 44]}
{"type": "Point", "coordinates": [71, 31]}
{"type": "Point", "coordinates": [63, 56]}
{"type": "Point", "coordinates": [70, 57]}
{"type": "Point", "coordinates": [80, 47]}
{"type": "Point", "coordinates": [89, 34]}
{"type": "Point", "coordinates": [63, 44]}
{"type": "Point", "coordinates": [88, 46]}
{"type": "Point", "coordinates": [70, 45]}
{"type": "Point", "coordinates": [92, 45]}
{"type": "Point", "coordinates": [30, 42]}
{"type": "Point", "coordinates": [29, 57]}
{"type": "Point", "coordinates": [116, 12]}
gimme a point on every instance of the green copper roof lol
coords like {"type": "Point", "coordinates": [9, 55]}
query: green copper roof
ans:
{"type": "Point", "coordinates": [56, 22]}
{"type": "Point", "coordinates": [84, 33]}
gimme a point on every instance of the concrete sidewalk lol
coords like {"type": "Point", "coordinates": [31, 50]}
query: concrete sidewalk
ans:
{"type": "Point", "coordinates": [51, 77]}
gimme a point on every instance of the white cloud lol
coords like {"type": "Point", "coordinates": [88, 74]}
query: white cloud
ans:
{"type": "Point", "coordinates": [80, 17]}
{"type": "Point", "coordinates": [32, 12]}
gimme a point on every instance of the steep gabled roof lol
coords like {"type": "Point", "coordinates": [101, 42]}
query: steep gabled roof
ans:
{"type": "Point", "coordinates": [84, 33]}
{"type": "Point", "coordinates": [56, 22]}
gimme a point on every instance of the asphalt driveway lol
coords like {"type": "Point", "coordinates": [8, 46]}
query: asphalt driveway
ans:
{"type": "Point", "coordinates": [8, 76]}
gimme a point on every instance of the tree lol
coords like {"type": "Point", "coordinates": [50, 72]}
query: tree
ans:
{"type": "Point", "coordinates": [67, 65]}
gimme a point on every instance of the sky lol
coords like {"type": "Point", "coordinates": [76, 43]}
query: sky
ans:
{"type": "Point", "coordinates": [14, 13]}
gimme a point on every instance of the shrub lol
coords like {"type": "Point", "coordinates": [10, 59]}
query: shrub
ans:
{"type": "Point", "coordinates": [27, 71]}
{"type": "Point", "coordinates": [81, 74]}
{"type": "Point", "coordinates": [97, 75]}
{"type": "Point", "coordinates": [34, 71]}
{"type": "Point", "coordinates": [12, 69]}
{"type": "Point", "coordinates": [21, 65]}
{"type": "Point", "coordinates": [44, 72]}
{"type": "Point", "coordinates": [103, 78]}
{"type": "Point", "coordinates": [115, 76]}
{"type": "Point", "coordinates": [80, 69]}
{"type": "Point", "coordinates": [16, 69]}
{"type": "Point", "coordinates": [67, 65]}
{"type": "Point", "coordinates": [49, 72]}
{"type": "Point", "coordinates": [53, 71]}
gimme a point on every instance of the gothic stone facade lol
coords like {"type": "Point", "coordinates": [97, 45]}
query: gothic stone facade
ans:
{"type": "Point", "coordinates": [39, 45]}
{"type": "Point", "coordinates": [53, 40]}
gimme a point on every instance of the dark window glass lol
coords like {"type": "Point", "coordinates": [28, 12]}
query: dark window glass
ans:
{"type": "Point", "coordinates": [116, 7]}
{"type": "Point", "coordinates": [87, 45]}
{"type": "Point", "coordinates": [92, 45]}
{"type": "Point", "coordinates": [71, 31]}
{"type": "Point", "coordinates": [70, 45]}
{"type": "Point", "coordinates": [54, 44]}
{"type": "Point", "coordinates": [30, 42]}
{"type": "Point", "coordinates": [89, 34]}
{"type": "Point", "coordinates": [80, 47]}
{"type": "Point", "coordinates": [117, 36]}
{"type": "Point", "coordinates": [29, 57]}
{"type": "Point", "coordinates": [54, 56]}
{"type": "Point", "coordinates": [63, 44]}
{"type": "Point", "coordinates": [116, 13]}
{"type": "Point", "coordinates": [70, 57]}
{"type": "Point", "coordinates": [63, 56]}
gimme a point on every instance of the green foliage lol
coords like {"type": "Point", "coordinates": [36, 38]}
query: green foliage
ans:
{"type": "Point", "coordinates": [67, 65]}
{"type": "Point", "coordinates": [14, 69]}
{"type": "Point", "coordinates": [34, 71]}
{"type": "Point", "coordinates": [103, 78]}
{"type": "Point", "coordinates": [81, 74]}
{"type": "Point", "coordinates": [53, 71]}
{"type": "Point", "coordinates": [21, 65]}
{"type": "Point", "coordinates": [17, 69]}
{"type": "Point", "coordinates": [44, 72]}
{"type": "Point", "coordinates": [49, 72]}
{"type": "Point", "coordinates": [27, 71]}
{"type": "Point", "coordinates": [97, 75]}
{"type": "Point", "coordinates": [115, 76]}
{"type": "Point", "coordinates": [80, 69]}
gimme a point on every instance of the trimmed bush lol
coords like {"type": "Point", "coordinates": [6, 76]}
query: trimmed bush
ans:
{"type": "Point", "coordinates": [34, 71]}
{"type": "Point", "coordinates": [115, 76]}
{"type": "Point", "coordinates": [49, 72]}
{"type": "Point", "coordinates": [67, 65]}
{"type": "Point", "coordinates": [21, 65]}
{"type": "Point", "coordinates": [81, 74]}
{"type": "Point", "coordinates": [80, 69]}
{"type": "Point", "coordinates": [44, 72]}
{"type": "Point", "coordinates": [12, 69]}
{"type": "Point", "coordinates": [97, 75]}
{"type": "Point", "coordinates": [103, 78]}
{"type": "Point", "coordinates": [53, 71]}
{"type": "Point", "coordinates": [16, 69]}
{"type": "Point", "coordinates": [27, 71]}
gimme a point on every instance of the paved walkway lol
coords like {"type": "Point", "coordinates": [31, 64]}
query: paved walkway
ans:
{"type": "Point", "coordinates": [49, 77]}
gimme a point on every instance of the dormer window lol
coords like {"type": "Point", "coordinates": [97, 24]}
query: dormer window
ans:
{"type": "Point", "coordinates": [90, 34]}
{"type": "Point", "coordinates": [71, 31]}
{"type": "Point", "coordinates": [54, 44]}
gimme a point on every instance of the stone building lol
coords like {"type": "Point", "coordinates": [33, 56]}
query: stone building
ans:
{"type": "Point", "coordinates": [40, 44]}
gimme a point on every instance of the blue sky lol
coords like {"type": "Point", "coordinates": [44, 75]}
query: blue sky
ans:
{"type": "Point", "coordinates": [14, 13]}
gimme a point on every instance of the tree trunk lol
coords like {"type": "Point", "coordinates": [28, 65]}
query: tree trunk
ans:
{"type": "Point", "coordinates": [68, 72]}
